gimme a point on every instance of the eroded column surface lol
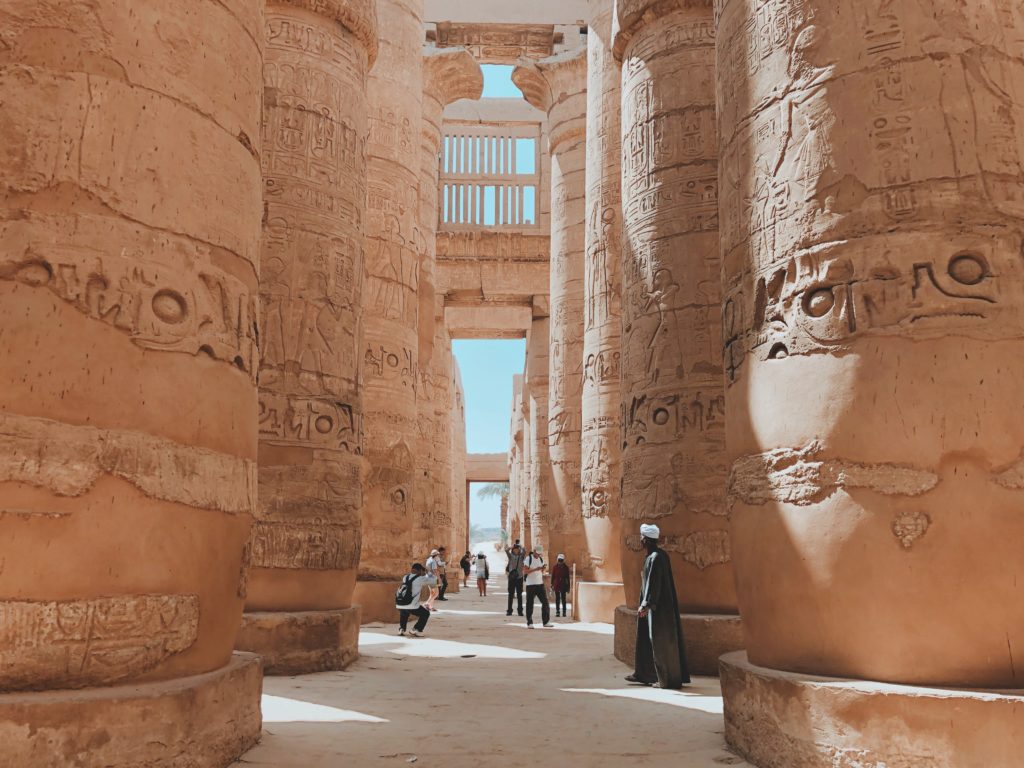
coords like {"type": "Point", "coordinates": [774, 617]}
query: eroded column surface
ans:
{"type": "Point", "coordinates": [395, 246]}
{"type": "Point", "coordinates": [129, 230]}
{"type": "Point", "coordinates": [602, 307]}
{"type": "Point", "coordinates": [673, 455]}
{"type": "Point", "coordinates": [872, 232]}
{"type": "Point", "coordinates": [538, 476]}
{"type": "Point", "coordinates": [558, 85]}
{"type": "Point", "coordinates": [306, 539]}
{"type": "Point", "coordinates": [449, 74]}
{"type": "Point", "coordinates": [460, 492]}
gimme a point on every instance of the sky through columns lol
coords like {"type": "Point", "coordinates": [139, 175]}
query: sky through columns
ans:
{"type": "Point", "coordinates": [487, 367]}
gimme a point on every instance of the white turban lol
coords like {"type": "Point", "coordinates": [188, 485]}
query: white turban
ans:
{"type": "Point", "coordinates": [650, 531]}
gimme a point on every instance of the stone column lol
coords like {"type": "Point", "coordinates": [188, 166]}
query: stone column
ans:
{"type": "Point", "coordinates": [130, 223]}
{"type": "Point", "coordinates": [872, 239]}
{"type": "Point", "coordinates": [395, 247]}
{"type": "Point", "coordinates": [673, 456]}
{"type": "Point", "coordinates": [602, 318]}
{"type": "Point", "coordinates": [306, 540]}
{"type": "Point", "coordinates": [557, 85]}
{"type": "Point", "coordinates": [539, 476]}
{"type": "Point", "coordinates": [460, 490]}
{"type": "Point", "coordinates": [449, 74]}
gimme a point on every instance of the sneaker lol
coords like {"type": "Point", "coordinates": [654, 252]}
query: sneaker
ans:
{"type": "Point", "coordinates": [558, 615]}
{"type": "Point", "coordinates": [521, 613]}
{"type": "Point", "coordinates": [530, 625]}
{"type": "Point", "coordinates": [549, 625]}
{"type": "Point", "coordinates": [415, 633]}
{"type": "Point", "coordinates": [443, 599]}
{"type": "Point", "coordinates": [508, 613]}
{"type": "Point", "coordinates": [401, 632]}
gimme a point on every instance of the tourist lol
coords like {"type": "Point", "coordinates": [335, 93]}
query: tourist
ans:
{"type": "Point", "coordinates": [533, 569]}
{"type": "Point", "coordinates": [483, 573]}
{"type": "Point", "coordinates": [466, 562]}
{"type": "Point", "coordinates": [561, 581]}
{"type": "Point", "coordinates": [660, 654]}
{"type": "Point", "coordinates": [407, 601]}
{"type": "Point", "coordinates": [442, 572]}
{"type": "Point", "coordinates": [432, 579]}
{"type": "Point", "coordinates": [514, 569]}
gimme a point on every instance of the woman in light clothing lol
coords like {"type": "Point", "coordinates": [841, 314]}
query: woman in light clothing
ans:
{"type": "Point", "coordinates": [483, 573]}
{"type": "Point", "coordinates": [432, 572]}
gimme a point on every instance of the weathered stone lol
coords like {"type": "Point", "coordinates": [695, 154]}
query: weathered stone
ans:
{"type": "Point", "coordinates": [673, 457]}
{"type": "Point", "coordinates": [301, 642]}
{"type": "Point", "coordinates": [600, 441]}
{"type": "Point", "coordinates": [306, 542]}
{"type": "Point", "coordinates": [202, 721]}
{"type": "Point", "coordinates": [783, 720]}
{"type": "Point", "coordinates": [129, 229]}
{"type": "Point", "coordinates": [708, 636]}
{"type": "Point", "coordinates": [396, 246]}
{"type": "Point", "coordinates": [558, 86]}
{"type": "Point", "coordinates": [871, 241]}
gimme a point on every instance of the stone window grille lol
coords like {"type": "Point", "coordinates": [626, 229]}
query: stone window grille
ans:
{"type": "Point", "coordinates": [490, 176]}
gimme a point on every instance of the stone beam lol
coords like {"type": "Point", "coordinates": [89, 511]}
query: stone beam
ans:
{"type": "Point", "coordinates": [570, 12]}
{"type": "Point", "coordinates": [487, 468]}
{"type": "Point", "coordinates": [488, 321]}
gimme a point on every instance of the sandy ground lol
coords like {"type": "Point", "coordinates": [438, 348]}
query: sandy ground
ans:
{"type": "Point", "coordinates": [482, 690]}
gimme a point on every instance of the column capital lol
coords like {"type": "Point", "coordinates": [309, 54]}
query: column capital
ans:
{"type": "Point", "coordinates": [450, 74]}
{"type": "Point", "coordinates": [557, 85]}
{"type": "Point", "coordinates": [632, 15]}
{"type": "Point", "coordinates": [357, 16]}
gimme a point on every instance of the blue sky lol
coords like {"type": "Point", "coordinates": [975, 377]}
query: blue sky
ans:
{"type": "Point", "coordinates": [498, 82]}
{"type": "Point", "coordinates": [487, 367]}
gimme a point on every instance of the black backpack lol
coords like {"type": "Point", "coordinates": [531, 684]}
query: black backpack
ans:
{"type": "Point", "coordinates": [403, 596]}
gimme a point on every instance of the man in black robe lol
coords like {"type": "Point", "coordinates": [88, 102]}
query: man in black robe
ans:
{"type": "Point", "coordinates": [660, 654]}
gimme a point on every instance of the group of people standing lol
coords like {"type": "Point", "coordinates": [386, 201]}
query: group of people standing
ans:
{"type": "Point", "coordinates": [660, 649]}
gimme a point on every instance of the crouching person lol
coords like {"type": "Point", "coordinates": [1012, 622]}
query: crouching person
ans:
{"type": "Point", "coordinates": [407, 601]}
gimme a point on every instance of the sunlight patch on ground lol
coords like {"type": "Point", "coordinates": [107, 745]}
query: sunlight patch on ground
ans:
{"type": "Point", "coordinates": [442, 611]}
{"type": "Point", "coordinates": [576, 626]}
{"type": "Point", "coordinates": [710, 704]}
{"type": "Point", "coordinates": [442, 649]}
{"type": "Point", "coordinates": [278, 709]}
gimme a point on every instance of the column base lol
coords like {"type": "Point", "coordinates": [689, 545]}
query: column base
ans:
{"type": "Point", "coordinates": [205, 721]}
{"type": "Point", "coordinates": [707, 637]}
{"type": "Point", "coordinates": [783, 720]}
{"type": "Point", "coordinates": [300, 642]}
{"type": "Point", "coordinates": [597, 600]}
{"type": "Point", "coordinates": [454, 585]}
{"type": "Point", "coordinates": [377, 600]}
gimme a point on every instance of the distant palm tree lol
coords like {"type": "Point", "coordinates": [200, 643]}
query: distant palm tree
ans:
{"type": "Point", "coordinates": [492, 490]}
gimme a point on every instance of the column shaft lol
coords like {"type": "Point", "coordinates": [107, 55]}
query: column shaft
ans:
{"type": "Point", "coordinates": [872, 239]}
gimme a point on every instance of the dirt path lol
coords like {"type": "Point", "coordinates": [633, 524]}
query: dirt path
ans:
{"type": "Point", "coordinates": [482, 690]}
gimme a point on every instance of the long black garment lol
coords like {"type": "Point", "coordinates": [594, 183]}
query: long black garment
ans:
{"type": "Point", "coordinates": [660, 653]}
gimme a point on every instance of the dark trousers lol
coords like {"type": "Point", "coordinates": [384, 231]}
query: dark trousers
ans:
{"type": "Point", "coordinates": [539, 592]}
{"type": "Point", "coordinates": [560, 601]}
{"type": "Point", "coordinates": [515, 587]}
{"type": "Point", "coordinates": [421, 622]}
{"type": "Point", "coordinates": [444, 587]}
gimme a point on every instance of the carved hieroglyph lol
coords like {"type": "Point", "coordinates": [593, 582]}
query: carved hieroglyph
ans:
{"type": "Point", "coordinates": [537, 478]}
{"type": "Point", "coordinates": [129, 231]}
{"type": "Point", "coordinates": [499, 43]}
{"type": "Point", "coordinates": [314, 177]}
{"type": "Point", "coordinates": [449, 74]}
{"type": "Point", "coordinates": [602, 308]}
{"type": "Point", "coordinates": [558, 85]}
{"type": "Point", "coordinates": [395, 249]}
{"type": "Point", "coordinates": [872, 167]}
{"type": "Point", "coordinates": [673, 461]}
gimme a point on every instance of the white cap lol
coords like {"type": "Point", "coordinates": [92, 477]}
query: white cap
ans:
{"type": "Point", "coordinates": [650, 531]}
{"type": "Point", "coordinates": [561, 557]}
{"type": "Point", "coordinates": [434, 552]}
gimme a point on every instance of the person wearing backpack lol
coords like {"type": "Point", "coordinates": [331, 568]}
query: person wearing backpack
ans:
{"type": "Point", "coordinates": [407, 601]}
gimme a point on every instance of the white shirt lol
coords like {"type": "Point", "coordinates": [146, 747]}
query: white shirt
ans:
{"type": "Point", "coordinates": [481, 567]}
{"type": "Point", "coordinates": [417, 589]}
{"type": "Point", "coordinates": [536, 578]}
{"type": "Point", "coordinates": [431, 565]}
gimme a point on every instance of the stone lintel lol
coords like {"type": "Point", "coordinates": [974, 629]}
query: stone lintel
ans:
{"type": "Point", "coordinates": [301, 642]}
{"type": "Point", "coordinates": [357, 16]}
{"type": "Point", "coordinates": [487, 468]}
{"type": "Point", "coordinates": [707, 636]}
{"type": "Point", "coordinates": [783, 720]}
{"type": "Point", "coordinates": [498, 43]}
{"type": "Point", "coordinates": [204, 721]}
{"type": "Point", "coordinates": [487, 321]}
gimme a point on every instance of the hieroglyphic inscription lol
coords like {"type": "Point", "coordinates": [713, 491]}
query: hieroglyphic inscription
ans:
{"type": "Point", "coordinates": [701, 549]}
{"type": "Point", "coordinates": [305, 546]}
{"type": "Point", "coordinates": [492, 246]}
{"type": "Point", "coordinates": [159, 305]}
{"type": "Point", "coordinates": [76, 643]}
{"type": "Point", "coordinates": [311, 422]}
{"type": "Point", "coordinates": [499, 43]}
